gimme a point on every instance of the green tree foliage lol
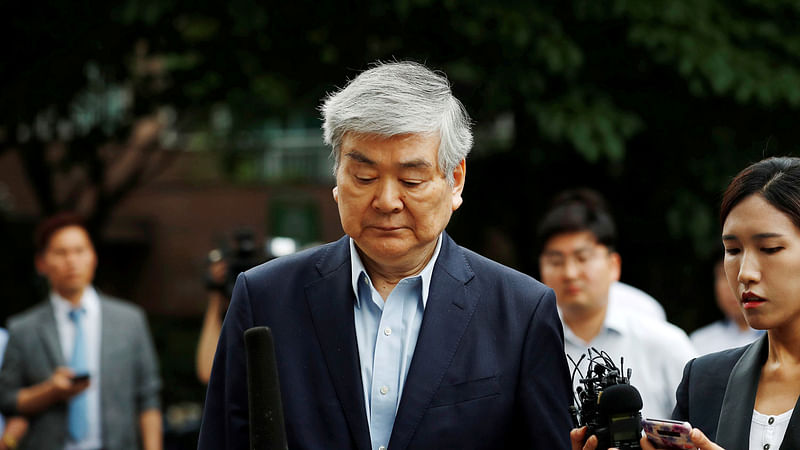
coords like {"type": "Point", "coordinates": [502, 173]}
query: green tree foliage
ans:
{"type": "Point", "coordinates": [657, 104]}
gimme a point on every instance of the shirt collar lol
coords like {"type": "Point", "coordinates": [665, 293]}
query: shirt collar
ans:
{"type": "Point", "coordinates": [357, 268]}
{"type": "Point", "coordinates": [90, 302]}
{"type": "Point", "coordinates": [615, 321]}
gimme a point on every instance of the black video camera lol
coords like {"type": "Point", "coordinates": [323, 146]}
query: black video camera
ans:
{"type": "Point", "coordinates": [608, 405]}
{"type": "Point", "coordinates": [242, 256]}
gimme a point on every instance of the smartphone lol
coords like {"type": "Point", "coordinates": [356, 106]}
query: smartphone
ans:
{"type": "Point", "coordinates": [670, 434]}
{"type": "Point", "coordinates": [78, 377]}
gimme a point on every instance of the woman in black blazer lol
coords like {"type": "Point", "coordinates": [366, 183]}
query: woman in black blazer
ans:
{"type": "Point", "coordinates": [746, 398]}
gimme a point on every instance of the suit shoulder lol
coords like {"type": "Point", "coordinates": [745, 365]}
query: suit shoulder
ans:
{"type": "Point", "coordinates": [119, 306]}
{"type": "Point", "coordinates": [30, 316]}
{"type": "Point", "coordinates": [303, 261]}
{"type": "Point", "coordinates": [491, 271]}
{"type": "Point", "coordinates": [719, 361]}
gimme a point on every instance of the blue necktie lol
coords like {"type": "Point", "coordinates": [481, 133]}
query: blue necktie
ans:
{"type": "Point", "coordinates": [78, 418]}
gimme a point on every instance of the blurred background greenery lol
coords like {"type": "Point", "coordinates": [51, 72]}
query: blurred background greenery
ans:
{"type": "Point", "coordinates": [112, 107]}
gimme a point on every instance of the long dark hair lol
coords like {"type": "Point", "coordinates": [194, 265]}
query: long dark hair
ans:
{"type": "Point", "coordinates": [775, 179]}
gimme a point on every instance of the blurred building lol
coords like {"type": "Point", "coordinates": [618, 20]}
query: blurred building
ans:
{"type": "Point", "coordinates": [154, 248]}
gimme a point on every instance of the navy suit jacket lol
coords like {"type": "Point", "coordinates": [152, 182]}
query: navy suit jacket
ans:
{"type": "Point", "coordinates": [718, 392]}
{"type": "Point", "coordinates": [488, 371]}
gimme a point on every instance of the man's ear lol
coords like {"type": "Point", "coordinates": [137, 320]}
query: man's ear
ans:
{"type": "Point", "coordinates": [459, 178]}
{"type": "Point", "coordinates": [616, 266]}
{"type": "Point", "coordinates": [336, 194]}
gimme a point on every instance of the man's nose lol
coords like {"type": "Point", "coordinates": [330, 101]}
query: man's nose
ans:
{"type": "Point", "coordinates": [388, 197]}
{"type": "Point", "coordinates": [571, 268]}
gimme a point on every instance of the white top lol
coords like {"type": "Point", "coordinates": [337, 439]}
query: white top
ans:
{"type": "Point", "coordinates": [66, 335]}
{"type": "Point", "coordinates": [631, 299]}
{"type": "Point", "coordinates": [656, 351]}
{"type": "Point", "coordinates": [721, 335]}
{"type": "Point", "coordinates": [766, 432]}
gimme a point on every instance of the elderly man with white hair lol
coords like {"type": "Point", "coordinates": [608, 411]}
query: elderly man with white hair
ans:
{"type": "Point", "coordinates": [394, 336]}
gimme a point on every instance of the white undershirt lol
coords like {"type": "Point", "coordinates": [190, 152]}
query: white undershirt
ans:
{"type": "Point", "coordinates": [766, 432]}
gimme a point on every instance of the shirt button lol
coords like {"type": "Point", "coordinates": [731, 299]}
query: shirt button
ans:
{"type": "Point", "coordinates": [384, 390]}
{"type": "Point", "coordinates": [387, 331]}
{"type": "Point", "coordinates": [771, 420]}
{"type": "Point", "coordinates": [766, 446]}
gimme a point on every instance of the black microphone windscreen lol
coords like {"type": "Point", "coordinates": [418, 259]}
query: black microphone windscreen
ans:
{"type": "Point", "coordinates": [267, 430]}
{"type": "Point", "coordinates": [619, 398]}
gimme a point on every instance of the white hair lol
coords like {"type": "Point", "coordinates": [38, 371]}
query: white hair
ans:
{"type": "Point", "coordinates": [398, 98]}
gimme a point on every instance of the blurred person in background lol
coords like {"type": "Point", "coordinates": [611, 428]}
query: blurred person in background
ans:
{"type": "Point", "coordinates": [80, 366]}
{"type": "Point", "coordinates": [730, 331]}
{"type": "Point", "coordinates": [632, 299]}
{"type": "Point", "coordinates": [394, 336]}
{"type": "Point", "coordinates": [577, 237]}
{"type": "Point", "coordinates": [223, 268]}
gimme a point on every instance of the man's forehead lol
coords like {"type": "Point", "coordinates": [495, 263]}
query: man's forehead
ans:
{"type": "Point", "coordinates": [571, 242]}
{"type": "Point", "coordinates": [414, 149]}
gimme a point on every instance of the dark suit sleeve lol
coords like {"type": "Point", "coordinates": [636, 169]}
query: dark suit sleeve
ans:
{"type": "Point", "coordinates": [545, 390]}
{"type": "Point", "coordinates": [681, 411]}
{"type": "Point", "coordinates": [225, 416]}
{"type": "Point", "coordinates": [11, 376]}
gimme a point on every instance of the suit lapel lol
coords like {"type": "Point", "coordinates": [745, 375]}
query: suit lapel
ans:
{"type": "Point", "coordinates": [48, 332]}
{"type": "Point", "coordinates": [791, 440]}
{"type": "Point", "coordinates": [448, 311]}
{"type": "Point", "coordinates": [330, 300]}
{"type": "Point", "coordinates": [736, 414]}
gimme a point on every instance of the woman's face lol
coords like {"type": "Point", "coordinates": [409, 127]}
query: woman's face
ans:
{"type": "Point", "coordinates": [762, 263]}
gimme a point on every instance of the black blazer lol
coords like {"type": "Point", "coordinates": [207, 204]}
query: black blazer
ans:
{"type": "Point", "coordinates": [718, 392]}
{"type": "Point", "coordinates": [488, 371]}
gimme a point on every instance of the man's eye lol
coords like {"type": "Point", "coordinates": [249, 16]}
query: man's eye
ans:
{"type": "Point", "coordinates": [771, 250]}
{"type": "Point", "coordinates": [412, 183]}
{"type": "Point", "coordinates": [732, 251]}
{"type": "Point", "coordinates": [364, 179]}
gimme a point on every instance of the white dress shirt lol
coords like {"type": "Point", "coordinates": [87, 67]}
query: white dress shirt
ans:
{"type": "Point", "coordinates": [656, 351]}
{"type": "Point", "coordinates": [721, 335]}
{"type": "Point", "coordinates": [629, 298]}
{"type": "Point", "coordinates": [90, 302]}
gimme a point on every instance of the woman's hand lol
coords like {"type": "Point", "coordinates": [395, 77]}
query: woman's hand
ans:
{"type": "Point", "coordinates": [577, 435]}
{"type": "Point", "coordinates": [698, 438]}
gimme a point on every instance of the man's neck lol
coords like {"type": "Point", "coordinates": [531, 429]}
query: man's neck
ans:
{"type": "Point", "coordinates": [585, 324]}
{"type": "Point", "coordinates": [73, 297]}
{"type": "Point", "coordinates": [384, 279]}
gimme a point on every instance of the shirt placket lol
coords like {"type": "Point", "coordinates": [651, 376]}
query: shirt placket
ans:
{"type": "Point", "coordinates": [386, 367]}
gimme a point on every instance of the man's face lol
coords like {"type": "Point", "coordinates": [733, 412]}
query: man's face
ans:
{"type": "Point", "coordinates": [68, 262]}
{"type": "Point", "coordinates": [579, 270]}
{"type": "Point", "coordinates": [393, 199]}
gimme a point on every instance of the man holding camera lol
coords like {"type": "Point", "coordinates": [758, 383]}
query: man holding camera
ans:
{"type": "Point", "coordinates": [395, 336]}
{"type": "Point", "coordinates": [80, 366]}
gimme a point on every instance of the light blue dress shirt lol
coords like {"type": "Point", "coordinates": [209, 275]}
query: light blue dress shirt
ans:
{"type": "Point", "coordinates": [92, 324]}
{"type": "Point", "coordinates": [387, 336]}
